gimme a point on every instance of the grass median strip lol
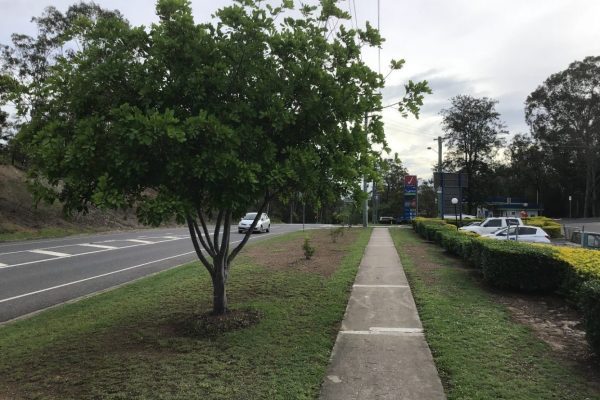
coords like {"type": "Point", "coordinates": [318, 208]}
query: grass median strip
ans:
{"type": "Point", "coordinates": [480, 352]}
{"type": "Point", "coordinates": [134, 342]}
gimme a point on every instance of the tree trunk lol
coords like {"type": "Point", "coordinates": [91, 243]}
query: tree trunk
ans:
{"type": "Point", "coordinates": [219, 280]}
{"type": "Point", "coordinates": [219, 295]}
{"type": "Point", "coordinates": [217, 248]}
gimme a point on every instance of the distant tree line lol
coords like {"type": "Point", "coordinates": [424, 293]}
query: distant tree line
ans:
{"type": "Point", "coordinates": [558, 158]}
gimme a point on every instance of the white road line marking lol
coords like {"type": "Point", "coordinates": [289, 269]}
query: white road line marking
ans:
{"type": "Point", "coordinates": [3, 265]}
{"type": "Point", "coordinates": [99, 251]}
{"type": "Point", "coordinates": [170, 237]}
{"type": "Point", "coordinates": [381, 286]}
{"type": "Point", "coordinates": [50, 253]}
{"type": "Point", "coordinates": [139, 241]}
{"type": "Point", "coordinates": [110, 273]}
{"type": "Point", "coordinates": [99, 246]}
{"type": "Point", "coordinates": [73, 255]}
{"type": "Point", "coordinates": [92, 277]}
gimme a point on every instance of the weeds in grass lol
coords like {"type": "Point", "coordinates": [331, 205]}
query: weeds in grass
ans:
{"type": "Point", "coordinates": [336, 233]}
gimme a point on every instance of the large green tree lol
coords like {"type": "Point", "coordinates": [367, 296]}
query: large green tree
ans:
{"type": "Point", "coordinates": [184, 119]}
{"type": "Point", "coordinates": [472, 129]}
{"type": "Point", "coordinates": [390, 189]}
{"type": "Point", "coordinates": [564, 116]}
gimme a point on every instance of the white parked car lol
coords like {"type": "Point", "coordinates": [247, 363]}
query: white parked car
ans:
{"type": "Point", "coordinates": [464, 216]}
{"type": "Point", "coordinates": [263, 224]}
{"type": "Point", "coordinates": [493, 224]}
{"type": "Point", "coordinates": [523, 233]}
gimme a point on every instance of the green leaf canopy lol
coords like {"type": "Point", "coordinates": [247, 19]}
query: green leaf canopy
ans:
{"type": "Point", "coordinates": [179, 116]}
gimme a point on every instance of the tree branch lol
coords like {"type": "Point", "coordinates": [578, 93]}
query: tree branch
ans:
{"type": "Point", "coordinates": [197, 247]}
{"type": "Point", "coordinates": [226, 231]}
{"type": "Point", "coordinates": [217, 229]}
{"type": "Point", "coordinates": [206, 246]}
{"type": "Point", "coordinates": [239, 247]}
{"type": "Point", "coordinates": [205, 229]}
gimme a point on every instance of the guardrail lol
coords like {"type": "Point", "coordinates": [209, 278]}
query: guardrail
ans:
{"type": "Point", "coordinates": [588, 240]}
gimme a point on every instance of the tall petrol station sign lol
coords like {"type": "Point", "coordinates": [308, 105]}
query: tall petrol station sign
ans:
{"type": "Point", "coordinates": [410, 197]}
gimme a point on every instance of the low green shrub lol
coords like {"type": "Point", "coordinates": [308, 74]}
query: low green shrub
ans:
{"type": "Point", "coordinates": [335, 233]}
{"type": "Point", "coordinates": [520, 266]}
{"type": "Point", "coordinates": [308, 249]}
{"type": "Point", "coordinates": [551, 227]}
{"type": "Point", "coordinates": [571, 272]}
{"type": "Point", "coordinates": [590, 306]}
{"type": "Point", "coordinates": [457, 243]}
{"type": "Point", "coordinates": [452, 221]}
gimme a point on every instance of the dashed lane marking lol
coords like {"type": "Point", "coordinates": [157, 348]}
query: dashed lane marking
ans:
{"type": "Point", "coordinates": [98, 246]}
{"type": "Point", "coordinates": [92, 277]}
{"type": "Point", "coordinates": [110, 273]}
{"type": "Point", "coordinates": [139, 241]}
{"type": "Point", "coordinates": [50, 253]}
{"type": "Point", "coordinates": [65, 255]}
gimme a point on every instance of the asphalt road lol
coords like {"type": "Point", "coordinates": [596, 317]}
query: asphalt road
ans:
{"type": "Point", "coordinates": [586, 224]}
{"type": "Point", "coordinates": [38, 274]}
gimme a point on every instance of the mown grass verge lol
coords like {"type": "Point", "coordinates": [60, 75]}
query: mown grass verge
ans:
{"type": "Point", "coordinates": [130, 343]}
{"type": "Point", "coordinates": [479, 351]}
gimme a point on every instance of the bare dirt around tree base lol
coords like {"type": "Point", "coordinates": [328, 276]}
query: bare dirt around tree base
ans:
{"type": "Point", "coordinates": [289, 255]}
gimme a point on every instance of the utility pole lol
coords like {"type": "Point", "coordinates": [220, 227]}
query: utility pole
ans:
{"type": "Point", "coordinates": [440, 171]}
{"type": "Point", "coordinates": [374, 204]}
{"type": "Point", "coordinates": [366, 201]}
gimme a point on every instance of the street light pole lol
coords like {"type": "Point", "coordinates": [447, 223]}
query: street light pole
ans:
{"type": "Point", "coordinates": [455, 202]}
{"type": "Point", "coordinates": [570, 198]}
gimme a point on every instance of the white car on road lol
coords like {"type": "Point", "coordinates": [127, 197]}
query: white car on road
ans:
{"type": "Point", "coordinates": [491, 225]}
{"type": "Point", "coordinates": [263, 224]}
{"type": "Point", "coordinates": [523, 233]}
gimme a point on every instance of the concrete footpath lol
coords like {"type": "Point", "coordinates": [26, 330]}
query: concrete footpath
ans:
{"type": "Point", "coordinates": [380, 351]}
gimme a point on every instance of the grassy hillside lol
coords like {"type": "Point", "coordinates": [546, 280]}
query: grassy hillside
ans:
{"type": "Point", "coordinates": [20, 219]}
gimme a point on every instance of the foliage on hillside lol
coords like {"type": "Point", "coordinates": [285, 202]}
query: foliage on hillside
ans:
{"type": "Point", "coordinates": [20, 218]}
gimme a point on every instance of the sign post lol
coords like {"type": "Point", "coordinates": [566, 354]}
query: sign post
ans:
{"type": "Point", "coordinates": [410, 197]}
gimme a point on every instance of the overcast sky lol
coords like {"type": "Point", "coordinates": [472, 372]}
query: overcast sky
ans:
{"type": "Point", "coordinates": [501, 49]}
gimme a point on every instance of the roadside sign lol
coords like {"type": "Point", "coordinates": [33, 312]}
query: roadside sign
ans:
{"type": "Point", "coordinates": [410, 197]}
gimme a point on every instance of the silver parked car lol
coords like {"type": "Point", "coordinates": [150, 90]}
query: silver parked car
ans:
{"type": "Point", "coordinates": [263, 224]}
{"type": "Point", "coordinates": [523, 233]}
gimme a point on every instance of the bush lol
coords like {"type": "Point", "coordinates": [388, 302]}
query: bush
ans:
{"type": "Point", "coordinates": [552, 228]}
{"type": "Point", "coordinates": [581, 265]}
{"type": "Point", "coordinates": [464, 221]}
{"type": "Point", "coordinates": [590, 306]}
{"type": "Point", "coordinates": [309, 250]}
{"type": "Point", "coordinates": [457, 243]}
{"type": "Point", "coordinates": [520, 266]}
{"type": "Point", "coordinates": [335, 233]}
{"type": "Point", "coordinates": [572, 272]}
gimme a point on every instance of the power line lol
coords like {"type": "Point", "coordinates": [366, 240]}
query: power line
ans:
{"type": "Point", "coordinates": [379, 31]}
{"type": "Point", "coordinates": [355, 14]}
{"type": "Point", "coordinates": [350, 11]}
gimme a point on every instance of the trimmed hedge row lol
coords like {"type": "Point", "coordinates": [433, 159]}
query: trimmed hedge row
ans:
{"type": "Point", "coordinates": [573, 273]}
{"type": "Point", "coordinates": [551, 227]}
